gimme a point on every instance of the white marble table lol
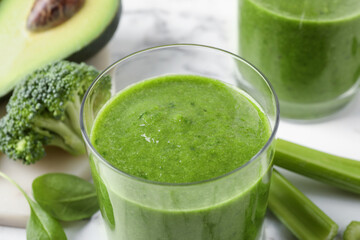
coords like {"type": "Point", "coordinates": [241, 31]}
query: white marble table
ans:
{"type": "Point", "coordinates": [147, 23]}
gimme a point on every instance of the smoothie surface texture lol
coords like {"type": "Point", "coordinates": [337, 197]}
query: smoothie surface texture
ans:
{"type": "Point", "coordinates": [180, 129]}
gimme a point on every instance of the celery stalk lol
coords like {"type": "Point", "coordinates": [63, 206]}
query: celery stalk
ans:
{"type": "Point", "coordinates": [301, 216]}
{"type": "Point", "coordinates": [352, 231]}
{"type": "Point", "coordinates": [334, 170]}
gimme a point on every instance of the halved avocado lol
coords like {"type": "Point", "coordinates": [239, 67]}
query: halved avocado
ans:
{"type": "Point", "coordinates": [78, 38]}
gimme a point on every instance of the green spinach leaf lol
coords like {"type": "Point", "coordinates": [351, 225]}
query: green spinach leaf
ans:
{"type": "Point", "coordinates": [106, 207]}
{"type": "Point", "coordinates": [41, 226]}
{"type": "Point", "coordinates": [65, 197]}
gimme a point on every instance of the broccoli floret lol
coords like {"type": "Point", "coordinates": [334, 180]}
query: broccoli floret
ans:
{"type": "Point", "coordinates": [45, 109]}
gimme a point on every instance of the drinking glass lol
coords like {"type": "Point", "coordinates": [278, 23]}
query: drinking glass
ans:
{"type": "Point", "coordinates": [227, 207]}
{"type": "Point", "coordinates": [308, 49]}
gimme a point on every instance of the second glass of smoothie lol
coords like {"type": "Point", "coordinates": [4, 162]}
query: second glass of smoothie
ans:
{"type": "Point", "coordinates": [184, 148]}
{"type": "Point", "coordinates": [308, 49]}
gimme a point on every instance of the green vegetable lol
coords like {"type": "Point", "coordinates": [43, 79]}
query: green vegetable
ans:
{"type": "Point", "coordinates": [41, 226]}
{"type": "Point", "coordinates": [45, 109]}
{"type": "Point", "coordinates": [352, 231]}
{"type": "Point", "coordinates": [106, 207]}
{"type": "Point", "coordinates": [301, 216]}
{"type": "Point", "coordinates": [337, 171]}
{"type": "Point", "coordinates": [22, 52]}
{"type": "Point", "coordinates": [65, 197]}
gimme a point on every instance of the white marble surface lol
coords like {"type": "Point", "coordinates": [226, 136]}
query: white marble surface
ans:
{"type": "Point", "coordinates": [147, 23]}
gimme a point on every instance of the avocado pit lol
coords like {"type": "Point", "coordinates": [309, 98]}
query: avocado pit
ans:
{"type": "Point", "coordinates": [46, 14]}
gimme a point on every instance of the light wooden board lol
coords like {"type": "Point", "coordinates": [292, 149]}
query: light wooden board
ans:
{"type": "Point", "coordinates": [14, 210]}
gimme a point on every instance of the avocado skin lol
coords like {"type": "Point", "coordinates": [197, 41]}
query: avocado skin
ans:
{"type": "Point", "coordinates": [91, 49]}
{"type": "Point", "coordinates": [6, 97]}
{"type": "Point", "coordinates": [81, 55]}
{"type": "Point", "coordinates": [95, 46]}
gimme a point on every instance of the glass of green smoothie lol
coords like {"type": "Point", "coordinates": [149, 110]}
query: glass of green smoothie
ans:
{"type": "Point", "coordinates": [183, 149]}
{"type": "Point", "coordinates": [308, 49]}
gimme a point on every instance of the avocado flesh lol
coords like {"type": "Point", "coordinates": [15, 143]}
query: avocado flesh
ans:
{"type": "Point", "coordinates": [96, 45]}
{"type": "Point", "coordinates": [22, 51]}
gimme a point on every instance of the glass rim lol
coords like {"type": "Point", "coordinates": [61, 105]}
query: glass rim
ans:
{"type": "Point", "coordinates": [113, 65]}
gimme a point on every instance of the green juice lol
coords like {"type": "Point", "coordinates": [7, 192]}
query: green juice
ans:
{"type": "Point", "coordinates": [181, 129]}
{"type": "Point", "coordinates": [308, 49]}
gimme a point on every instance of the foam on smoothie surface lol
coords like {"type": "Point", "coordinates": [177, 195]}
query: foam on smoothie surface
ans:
{"type": "Point", "coordinates": [179, 129]}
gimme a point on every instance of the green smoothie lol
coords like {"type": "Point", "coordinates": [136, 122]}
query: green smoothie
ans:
{"type": "Point", "coordinates": [182, 129]}
{"type": "Point", "coordinates": [308, 49]}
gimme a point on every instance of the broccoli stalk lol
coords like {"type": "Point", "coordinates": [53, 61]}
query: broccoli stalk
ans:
{"type": "Point", "coordinates": [45, 110]}
{"type": "Point", "coordinates": [65, 136]}
{"type": "Point", "coordinates": [68, 128]}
